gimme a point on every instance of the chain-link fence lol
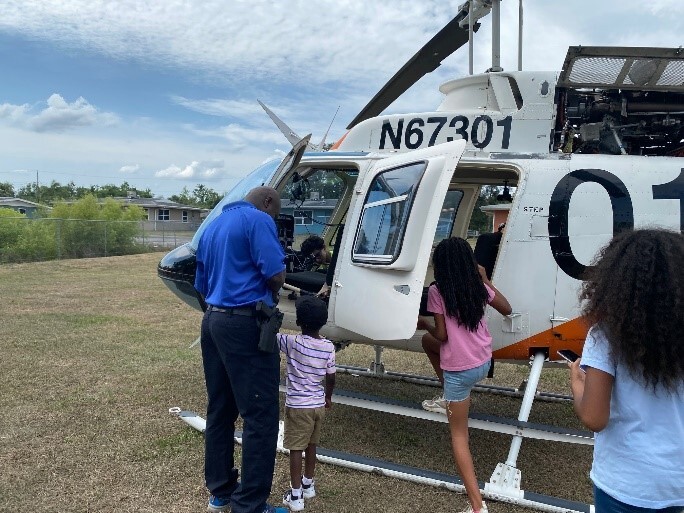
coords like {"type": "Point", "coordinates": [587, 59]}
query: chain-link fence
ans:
{"type": "Point", "coordinates": [30, 240]}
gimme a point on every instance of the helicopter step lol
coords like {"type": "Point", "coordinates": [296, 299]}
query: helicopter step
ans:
{"type": "Point", "coordinates": [484, 422]}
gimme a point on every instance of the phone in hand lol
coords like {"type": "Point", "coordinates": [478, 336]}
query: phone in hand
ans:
{"type": "Point", "coordinates": [568, 355]}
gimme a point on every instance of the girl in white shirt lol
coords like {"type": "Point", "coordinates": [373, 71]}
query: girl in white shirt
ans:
{"type": "Point", "coordinates": [629, 385]}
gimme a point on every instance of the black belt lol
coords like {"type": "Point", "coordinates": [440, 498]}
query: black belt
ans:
{"type": "Point", "coordinates": [246, 311]}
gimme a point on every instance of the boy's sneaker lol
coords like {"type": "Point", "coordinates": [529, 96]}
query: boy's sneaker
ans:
{"type": "Point", "coordinates": [272, 509]}
{"type": "Point", "coordinates": [294, 502]}
{"type": "Point", "coordinates": [308, 491]}
{"type": "Point", "coordinates": [217, 504]}
{"type": "Point", "coordinates": [483, 509]}
{"type": "Point", "coordinates": [436, 404]}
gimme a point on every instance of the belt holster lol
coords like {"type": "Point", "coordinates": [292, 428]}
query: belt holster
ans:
{"type": "Point", "coordinates": [269, 319]}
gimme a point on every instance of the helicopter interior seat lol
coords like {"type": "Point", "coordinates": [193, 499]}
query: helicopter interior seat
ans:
{"type": "Point", "coordinates": [313, 281]}
{"type": "Point", "coordinates": [302, 277]}
{"type": "Point", "coordinates": [310, 281]}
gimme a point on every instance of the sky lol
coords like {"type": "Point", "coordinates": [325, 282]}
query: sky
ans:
{"type": "Point", "coordinates": [162, 94]}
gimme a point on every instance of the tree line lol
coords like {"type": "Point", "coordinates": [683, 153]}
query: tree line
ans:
{"type": "Point", "coordinates": [205, 197]}
{"type": "Point", "coordinates": [201, 196]}
{"type": "Point", "coordinates": [84, 228]}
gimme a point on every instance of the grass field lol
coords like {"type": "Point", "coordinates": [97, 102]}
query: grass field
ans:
{"type": "Point", "coordinates": [93, 353]}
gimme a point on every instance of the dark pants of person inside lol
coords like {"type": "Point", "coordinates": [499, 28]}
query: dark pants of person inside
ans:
{"type": "Point", "coordinates": [240, 380]}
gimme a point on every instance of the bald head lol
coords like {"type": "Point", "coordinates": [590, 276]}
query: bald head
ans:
{"type": "Point", "coordinates": [266, 199]}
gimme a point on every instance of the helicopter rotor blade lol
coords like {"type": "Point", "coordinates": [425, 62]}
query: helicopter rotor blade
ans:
{"type": "Point", "coordinates": [429, 57]}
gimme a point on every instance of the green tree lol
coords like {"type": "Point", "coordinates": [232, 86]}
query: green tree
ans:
{"type": "Point", "coordinates": [6, 189]}
{"type": "Point", "coordinates": [202, 197]}
{"type": "Point", "coordinates": [88, 228]}
{"type": "Point", "coordinates": [23, 239]}
{"type": "Point", "coordinates": [10, 227]}
{"type": "Point", "coordinates": [479, 220]}
{"type": "Point", "coordinates": [206, 197]}
{"type": "Point", "coordinates": [185, 198]}
{"type": "Point", "coordinates": [56, 192]}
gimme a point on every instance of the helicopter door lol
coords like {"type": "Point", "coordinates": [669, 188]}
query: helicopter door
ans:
{"type": "Point", "coordinates": [389, 234]}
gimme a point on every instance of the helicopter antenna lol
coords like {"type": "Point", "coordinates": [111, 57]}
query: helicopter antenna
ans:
{"type": "Point", "coordinates": [472, 11]}
{"type": "Point", "coordinates": [470, 37]}
{"type": "Point", "coordinates": [322, 143]}
{"type": "Point", "coordinates": [520, 34]}
{"type": "Point", "coordinates": [496, 36]}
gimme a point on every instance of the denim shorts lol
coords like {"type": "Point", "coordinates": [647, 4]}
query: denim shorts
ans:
{"type": "Point", "coordinates": [604, 503]}
{"type": "Point", "coordinates": [458, 384]}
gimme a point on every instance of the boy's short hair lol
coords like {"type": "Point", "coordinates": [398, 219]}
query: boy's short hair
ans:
{"type": "Point", "coordinates": [312, 312]}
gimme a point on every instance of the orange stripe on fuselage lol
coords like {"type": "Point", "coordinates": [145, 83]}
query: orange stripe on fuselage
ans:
{"type": "Point", "coordinates": [338, 142]}
{"type": "Point", "coordinates": [569, 335]}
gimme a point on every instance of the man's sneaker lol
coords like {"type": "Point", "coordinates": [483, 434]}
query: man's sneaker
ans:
{"type": "Point", "coordinates": [217, 504]}
{"type": "Point", "coordinates": [436, 404]}
{"type": "Point", "coordinates": [294, 502]}
{"type": "Point", "coordinates": [308, 491]}
{"type": "Point", "coordinates": [483, 509]}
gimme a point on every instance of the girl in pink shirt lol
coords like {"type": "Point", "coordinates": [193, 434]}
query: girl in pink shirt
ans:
{"type": "Point", "coordinates": [458, 301]}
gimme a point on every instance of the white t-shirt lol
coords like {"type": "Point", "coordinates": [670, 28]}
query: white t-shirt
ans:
{"type": "Point", "coordinates": [639, 455]}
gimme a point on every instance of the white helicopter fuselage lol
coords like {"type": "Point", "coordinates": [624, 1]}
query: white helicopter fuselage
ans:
{"type": "Point", "coordinates": [566, 207]}
{"type": "Point", "coordinates": [406, 175]}
{"type": "Point", "coordinates": [583, 196]}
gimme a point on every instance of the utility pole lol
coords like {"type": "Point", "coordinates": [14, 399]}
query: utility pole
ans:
{"type": "Point", "coordinates": [37, 188]}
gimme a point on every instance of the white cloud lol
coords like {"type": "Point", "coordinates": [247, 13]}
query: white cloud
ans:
{"type": "Point", "coordinates": [302, 58]}
{"type": "Point", "coordinates": [129, 168]}
{"type": "Point", "coordinates": [210, 170]}
{"type": "Point", "coordinates": [243, 109]}
{"type": "Point", "coordinates": [58, 116]}
{"type": "Point", "coordinates": [236, 40]}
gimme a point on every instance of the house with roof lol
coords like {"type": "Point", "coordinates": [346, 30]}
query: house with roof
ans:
{"type": "Point", "coordinates": [22, 206]}
{"type": "Point", "coordinates": [166, 214]}
{"type": "Point", "coordinates": [497, 213]}
{"type": "Point", "coordinates": [162, 214]}
{"type": "Point", "coordinates": [310, 215]}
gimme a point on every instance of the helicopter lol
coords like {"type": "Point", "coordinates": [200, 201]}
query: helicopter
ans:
{"type": "Point", "coordinates": [590, 151]}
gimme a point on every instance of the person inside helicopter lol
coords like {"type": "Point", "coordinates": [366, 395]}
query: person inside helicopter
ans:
{"type": "Point", "coordinates": [308, 265]}
{"type": "Point", "coordinates": [312, 254]}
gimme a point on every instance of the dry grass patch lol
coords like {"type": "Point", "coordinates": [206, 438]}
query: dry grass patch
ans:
{"type": "Point", "coordinates": [93, 353]}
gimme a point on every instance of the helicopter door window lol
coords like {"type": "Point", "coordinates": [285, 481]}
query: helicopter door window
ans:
{"type": "Point", "coordinates": [446, 219]}
{"type": "Point", "coordinates": [385, 214]}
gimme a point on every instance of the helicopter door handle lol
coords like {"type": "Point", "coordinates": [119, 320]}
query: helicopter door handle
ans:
{"type": "Point", "coordinates": [558, 319]}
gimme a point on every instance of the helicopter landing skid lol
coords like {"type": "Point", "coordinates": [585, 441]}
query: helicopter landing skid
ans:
{"type": "Point", "coordinates": [504, 486]}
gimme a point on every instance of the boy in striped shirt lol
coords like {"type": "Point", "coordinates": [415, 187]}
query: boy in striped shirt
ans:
{"type": "Point", "coordinates": [310, 360]}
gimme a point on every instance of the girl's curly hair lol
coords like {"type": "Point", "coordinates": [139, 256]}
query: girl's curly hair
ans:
{"type": "Point", "coordinates": [635, 293]}
{"type": "Point", "coordinates": [459, 282]}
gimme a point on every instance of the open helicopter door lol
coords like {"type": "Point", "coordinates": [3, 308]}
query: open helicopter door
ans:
{"type": "Point", "coordinates": [292, 158]}
{"type": "Point", "coordinates": [389, 234]}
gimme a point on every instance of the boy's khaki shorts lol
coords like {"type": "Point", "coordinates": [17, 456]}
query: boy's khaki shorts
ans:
{"type": "Point", "coordinates": [302, 427]}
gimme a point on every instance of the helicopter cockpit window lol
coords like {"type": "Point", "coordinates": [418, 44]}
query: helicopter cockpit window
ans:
{"type": "Point", "coordinates": [260, 176]}
{"type": "Point", "coordinates": [385, 214]}
{"type": "Point", "coordinates": [311, 196]}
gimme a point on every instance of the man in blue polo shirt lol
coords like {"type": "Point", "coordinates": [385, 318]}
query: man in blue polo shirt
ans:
{"type": "Point", "coordinates": [239, 263]}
